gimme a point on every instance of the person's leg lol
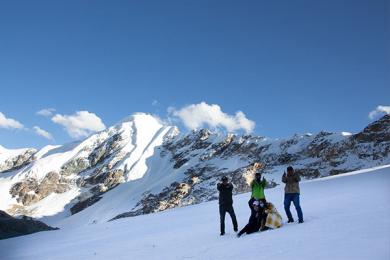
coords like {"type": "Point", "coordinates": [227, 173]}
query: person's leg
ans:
{"type": "Point", "coordinates": [287, 203]}
{"type": "Point", "coordinates": [263, 221]}
{"type": "Point", "coordinates": [244, 230]}
{"type": "Point", "coordinates": [222, 213]}
{"type": "Point", "coordinates": [234, 219]}
{"type": "Point", "coordinates": [250, 203]}
{"type": "Point", "coordinates": [297, 205]}
{"type": "Point", "coordinates": [262, 206]}
{"type": "Point", "coordinates": [251, 229]}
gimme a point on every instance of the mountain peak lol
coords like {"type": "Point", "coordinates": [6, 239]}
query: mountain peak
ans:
{"type": "Point", "coordinates": [141, 117]}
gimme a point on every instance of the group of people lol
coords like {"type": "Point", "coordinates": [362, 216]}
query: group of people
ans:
{"type": "Point", "coordinates": [264, 215]}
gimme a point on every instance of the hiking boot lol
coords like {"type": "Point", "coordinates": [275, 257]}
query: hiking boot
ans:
{"type": "Point", "coordinates": [264, 229]}
{"type": "Point", "coordinates": [235, 229]}
{"type": "Point", "coordinates": [222, 233]}
{"type": "Point", "coordinates": [290, 221]}
{"type": "Point", "coordinates": [300, 221]}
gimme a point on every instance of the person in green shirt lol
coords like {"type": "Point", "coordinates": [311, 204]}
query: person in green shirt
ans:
{"type": "Point", "coordinates": [257, 187]}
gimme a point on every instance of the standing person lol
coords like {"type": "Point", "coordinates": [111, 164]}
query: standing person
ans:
{"type": "Point", "coordinates": [257, 186]}
{"type": "Point", "coordinates": [226, 203]}
{"type": "Point", "coordinates": [292, 192]}
{"type": "Point", "coordinates": [255, 220]}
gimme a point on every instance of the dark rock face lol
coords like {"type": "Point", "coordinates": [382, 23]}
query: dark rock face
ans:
{"type": "Point", "coordinates": [108, 179]}
{"type": "Point", "coordinates": [377, 132]}
{"type": "Point", "coordinates": [79, 206]}
{"type": "Point", "coordinates": [12, 227]}
{"type": "Point", "coordinates": [30, 190]}
{"type": "Point", "coordinates": [103, 151]}
{"type": "Point", "coordinates": [197, 140]}
{"type": "Point", "coordinates": [18, 162]}
{"type": "Point", "coordinates": [75, 166]}
{"type": "Point", "coordinates": [170, 197]}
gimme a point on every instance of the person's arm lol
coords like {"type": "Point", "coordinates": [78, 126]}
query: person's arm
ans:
{"type": "Point", "coordinates": [297, 178]}
{"type": "Point", "coordinates": [230, 187]}
{"type": "Point", "coordinates": [219, 186]}
{"type": "Point", "coordinates": [284, 178]}
{"type": "Point", "coordinates": [290, 178]}
{"type": "Point", "coordinates": [264, 182]}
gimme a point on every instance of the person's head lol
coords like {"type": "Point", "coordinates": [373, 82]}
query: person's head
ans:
{"type": "Point", "coordinates": [258, 175]}
{"type": "Point", "coordinates": [290, 169]}
{"type": "Point", "coordinates": [224, 179]}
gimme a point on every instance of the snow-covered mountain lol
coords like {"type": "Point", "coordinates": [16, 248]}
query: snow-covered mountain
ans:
{"type": "Point", "coordinates": [15, 158]}
{"type": "Point", "coordinates": [141, 166]}
{"type": "Point", "coordinates": [346, 217]}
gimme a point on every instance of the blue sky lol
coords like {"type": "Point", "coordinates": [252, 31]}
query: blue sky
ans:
{"type": "Point", "coordinates": [289, 66]}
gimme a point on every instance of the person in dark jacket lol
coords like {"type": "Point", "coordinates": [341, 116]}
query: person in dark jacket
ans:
{"type": "Point", "coordinates": [292, 179]}
{"type": "Point", "coordinates": [255, 221]}
{"type": "Point", "coordinates": [226, 203]}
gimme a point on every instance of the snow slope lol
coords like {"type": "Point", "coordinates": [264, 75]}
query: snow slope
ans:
{"type": "Point", "coordinates": [346, 217]}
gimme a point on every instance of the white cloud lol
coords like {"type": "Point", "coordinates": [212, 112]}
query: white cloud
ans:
{"type": "Point", "coordinates": [195, 116]}
{"type": "Point", "coordinates": [9, 123]}
{"type": "Point", "coordinates": [378, 111]}
{"type": "Point", "coordinates": [43, 133]}
{"type": "Point", "coordinates": [80, 124]}
{"type": "Point", "coordinates": [47, 112]}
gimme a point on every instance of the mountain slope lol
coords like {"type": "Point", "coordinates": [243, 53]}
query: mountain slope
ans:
{"type": "Point", "coordinates": [346, 217]}
{"type": "Point", "coordinates": [141, 166]}
{"type": "Point", "coordinates": [15, 158]}
{"type": "Point", "coordinates": [86, 169]}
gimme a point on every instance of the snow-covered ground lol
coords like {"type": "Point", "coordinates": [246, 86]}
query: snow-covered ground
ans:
{"type": "Point", "coordinates": [346, 217]}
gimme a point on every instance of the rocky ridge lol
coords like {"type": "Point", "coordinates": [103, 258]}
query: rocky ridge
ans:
{"type": "Point", "coordinates": [189, 165]}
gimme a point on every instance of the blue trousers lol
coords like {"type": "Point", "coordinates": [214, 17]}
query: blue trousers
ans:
{"type": "Point", "coordinates": [292, 197]}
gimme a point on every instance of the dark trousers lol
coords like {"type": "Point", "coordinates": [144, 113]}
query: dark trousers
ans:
{"type": "Point", "coordinates": [292, 197]}
{"type": "Point", "coordinates": [222, 212]}
{"type": "Point", "coordinates": [249, 228]}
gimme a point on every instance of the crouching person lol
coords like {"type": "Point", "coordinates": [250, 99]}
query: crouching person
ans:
{"type": "Point", "coordinates": [255, 220]}
{"type": "Point", "coordinates": [273, 219]}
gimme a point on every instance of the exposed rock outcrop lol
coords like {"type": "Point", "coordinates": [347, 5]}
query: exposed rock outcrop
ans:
{"type": "Point", "coordinates": [18, 161]}
{"type": "Point", "coordinates": [30, 190]}
{"type": "Point", "coordinates": [98, 184]}
{"type": "Point", "coordinates": [79, 206]}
